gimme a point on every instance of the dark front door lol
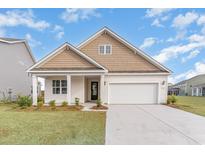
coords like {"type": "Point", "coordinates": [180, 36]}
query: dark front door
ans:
{"type": "Point", "coordinates": [94, 90]}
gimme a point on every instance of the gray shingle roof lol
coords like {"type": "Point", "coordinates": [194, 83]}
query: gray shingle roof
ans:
{"type": "Point", "coordinates": [10, 39]}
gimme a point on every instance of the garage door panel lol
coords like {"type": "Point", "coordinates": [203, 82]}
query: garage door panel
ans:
{"type": "Point", "coordinates": [133, 93]}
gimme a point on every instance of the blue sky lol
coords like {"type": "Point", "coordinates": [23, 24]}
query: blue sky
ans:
{"type": "Point", "coordinates": [175, 37]}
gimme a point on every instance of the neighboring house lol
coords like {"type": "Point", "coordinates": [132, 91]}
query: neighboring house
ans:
{"type": "Point", "coordinates": [15, 59]}
{"type": "Point", "coordinates": [178, 89]}
{"type": "Point", "coordinates": [194, 86]}
{"type": "Point", "coordinates": [105, 67]}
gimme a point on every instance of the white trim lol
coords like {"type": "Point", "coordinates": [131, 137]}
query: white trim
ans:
{"type": "Point", "coordinates": [59, 49]}
{"type": "Point", "coordinates": [69, 94]}
{"type": "Point", "coordinates": [102, 88]}
{"type": "Point", "coordinates": [34, 89]}
{"type": "Point", "coordinates": [138, 82]}
{"type": "Point", "coordinates": [137, 50]}
{"type": "Point", "coordinates": [138, 74]}
{"type": "Point", "coordinates": [71, 71]}
{"type": "Point", "coordinates": [80, 74]}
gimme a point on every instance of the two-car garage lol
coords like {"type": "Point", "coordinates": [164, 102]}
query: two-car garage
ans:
{"type": "Point", "coordinates": [133, 93]}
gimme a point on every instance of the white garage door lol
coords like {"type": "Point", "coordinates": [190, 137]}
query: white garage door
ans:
{"type": "Point", "coordinates": [133, 93]}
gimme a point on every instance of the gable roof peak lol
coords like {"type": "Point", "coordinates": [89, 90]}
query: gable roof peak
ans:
{"type": "Point", "coordinates": [68, 46]}
{"type": "Point", "coordinates": [126, 43]}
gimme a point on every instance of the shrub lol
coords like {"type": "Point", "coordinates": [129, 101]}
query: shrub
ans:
{"type": "Point", "coordinates": [174, 99]}
{"type": "Point", "coordinates": [169, 99]}
{"type": "Point", "coordinates": [24, 101]}
{"type": "Point", "coordinates": [99, 102]}
{"type": "Point", "coordinates": [77, 100]}
{"type": "Point", "coordinates": [52, 104]}
{"type": "Point", "coordinates": [40, 99]}
{"type": "Point", "coordinates": [64, 103]}
{"type": "Point", "coordinates": [40, 105]}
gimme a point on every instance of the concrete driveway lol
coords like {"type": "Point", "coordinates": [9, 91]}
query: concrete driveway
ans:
{"type": "Point", "coordinates": [153, 124]}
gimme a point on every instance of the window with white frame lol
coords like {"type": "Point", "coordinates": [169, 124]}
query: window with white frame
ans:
{"type": "Point", "coordinates": [105, 49]}
{"type": "Point", "coordinates": [64, 86]}
{"type": "Point", "coordinates": [59, 86]}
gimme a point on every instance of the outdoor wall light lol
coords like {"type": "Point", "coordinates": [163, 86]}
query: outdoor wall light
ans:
{"type": "Point", "coordinates": [163, 82]}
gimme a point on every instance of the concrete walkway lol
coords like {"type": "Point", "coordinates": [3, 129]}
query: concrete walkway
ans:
{"type": "Point", "coordinates": [153, 124]}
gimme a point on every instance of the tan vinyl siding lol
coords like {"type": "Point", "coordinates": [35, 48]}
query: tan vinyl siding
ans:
{"type": "Point", "coordinates": [67, 59]}
{"type": "Point", "coordinates": [122, 58]}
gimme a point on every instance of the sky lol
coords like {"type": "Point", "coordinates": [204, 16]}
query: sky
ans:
{"type": "Point", "coordinates": [174, 37]}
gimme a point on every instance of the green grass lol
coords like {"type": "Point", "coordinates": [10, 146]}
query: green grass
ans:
{"type": "Point", "coordinates": [191, 104]}
{"type": "Point", "coordinates": [54, 127]}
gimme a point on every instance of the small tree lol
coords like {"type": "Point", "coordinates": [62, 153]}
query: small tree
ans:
{"type": "Point", "coordinates": [52, 104]}
{"type": "Point", "coordinates": [169, 99]}
{"type": "Point", "coordinates": [99, 102]}
{"type": "Point", "coordinates": [39, 105]}
{"type": "Point", "coordinates": [64, 104]}
{"type": "Point", "coordinates": [173, 99]}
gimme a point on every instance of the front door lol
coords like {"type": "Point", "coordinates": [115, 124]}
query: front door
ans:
{"type": "Point", "coordinates": [94, 90]}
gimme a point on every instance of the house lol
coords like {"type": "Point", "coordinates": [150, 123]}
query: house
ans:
{"type": "Point", "coordinates": [194, 86]}
{"type": "Point", "coordinates": [178, 89]}
{"type": "Point", "coordinates": [106, 67]}
{"type": "Point", "coordinates": [15, 59]}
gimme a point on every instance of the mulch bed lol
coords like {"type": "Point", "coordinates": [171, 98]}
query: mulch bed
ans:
{"type": "Point", "coordinates": [178, 106]}
{"type": "Point", "coordinates": [172, 105]}
{"type": "Point", "coordinates": [101, 107]}
{"type": "Point", "coordinates": [48, 108]}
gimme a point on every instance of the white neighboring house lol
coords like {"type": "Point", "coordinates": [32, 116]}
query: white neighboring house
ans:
{"type": "Point", "coordinates": [104, 66]}
{"type": "Point", "coordinates": [15, 58]}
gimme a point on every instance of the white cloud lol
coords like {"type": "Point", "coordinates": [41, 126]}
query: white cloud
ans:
{"type": "Point", "coordinates": [175, 50]}
{"type": "Point", "coordinates": [199, 68]}
{"type": "Point", "coordinates": [60, 35]}
{"type": "Point", "coordinates": [59, 30]}
{"type": "Point", "coordinates": [24, 18]}
{"type": "Point", "coordinates": [190, 56]}
{"type": "Point", "coordinates": [74, 15]}
{"type": "Point", "coordinates": [182, 21]}
{"type": "Point", "coordinates": [165, 18]}
{"type": "Point", "coordinates": [201, 20]}
{"type": "Point", "coordinates": [148, 42]}
{"type": "Point", "coordinates": [196, 38]}
{"type": "Point", "coordinates": [32, 41]}
{"type": "Point", "coordinates": [180, 35]}
{"type": "Point", "coordinates": [156, 23]}
{"type": "Point", "coordinates": [158, 15]}
{"type": "Point", "coordinates": [156, 12]}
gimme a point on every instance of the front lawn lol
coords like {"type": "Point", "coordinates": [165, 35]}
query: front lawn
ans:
{"type": "Point", "coordinates": [51, 127]}
{"type": "Point", "coordinates": [191, 104]}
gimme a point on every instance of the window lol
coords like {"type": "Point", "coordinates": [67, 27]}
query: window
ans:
{"type": "Point", "coordinates": [56, 86]}
{"type": "Point", "coordinates": [59, 86]}
{"type": "Point", "coordinates": [105, 49]}
{"type": "Point", "coordinates": [101, 49]}
{"type": "Point", "coordinates": [64, 86]}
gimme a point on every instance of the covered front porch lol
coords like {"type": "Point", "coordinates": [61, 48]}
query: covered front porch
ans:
{"type": "Point", "coordinates": [66, 87]}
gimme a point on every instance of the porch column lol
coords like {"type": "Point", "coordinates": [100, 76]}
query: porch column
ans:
{"type": "Point", "coordinates": [102, 88]}
{"type": "Point", "coordinates": [34, 89]}
{"type": "Point", "coordinates": [69, 89]}
{"type": "Point", "coordinates": [197, 91]}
